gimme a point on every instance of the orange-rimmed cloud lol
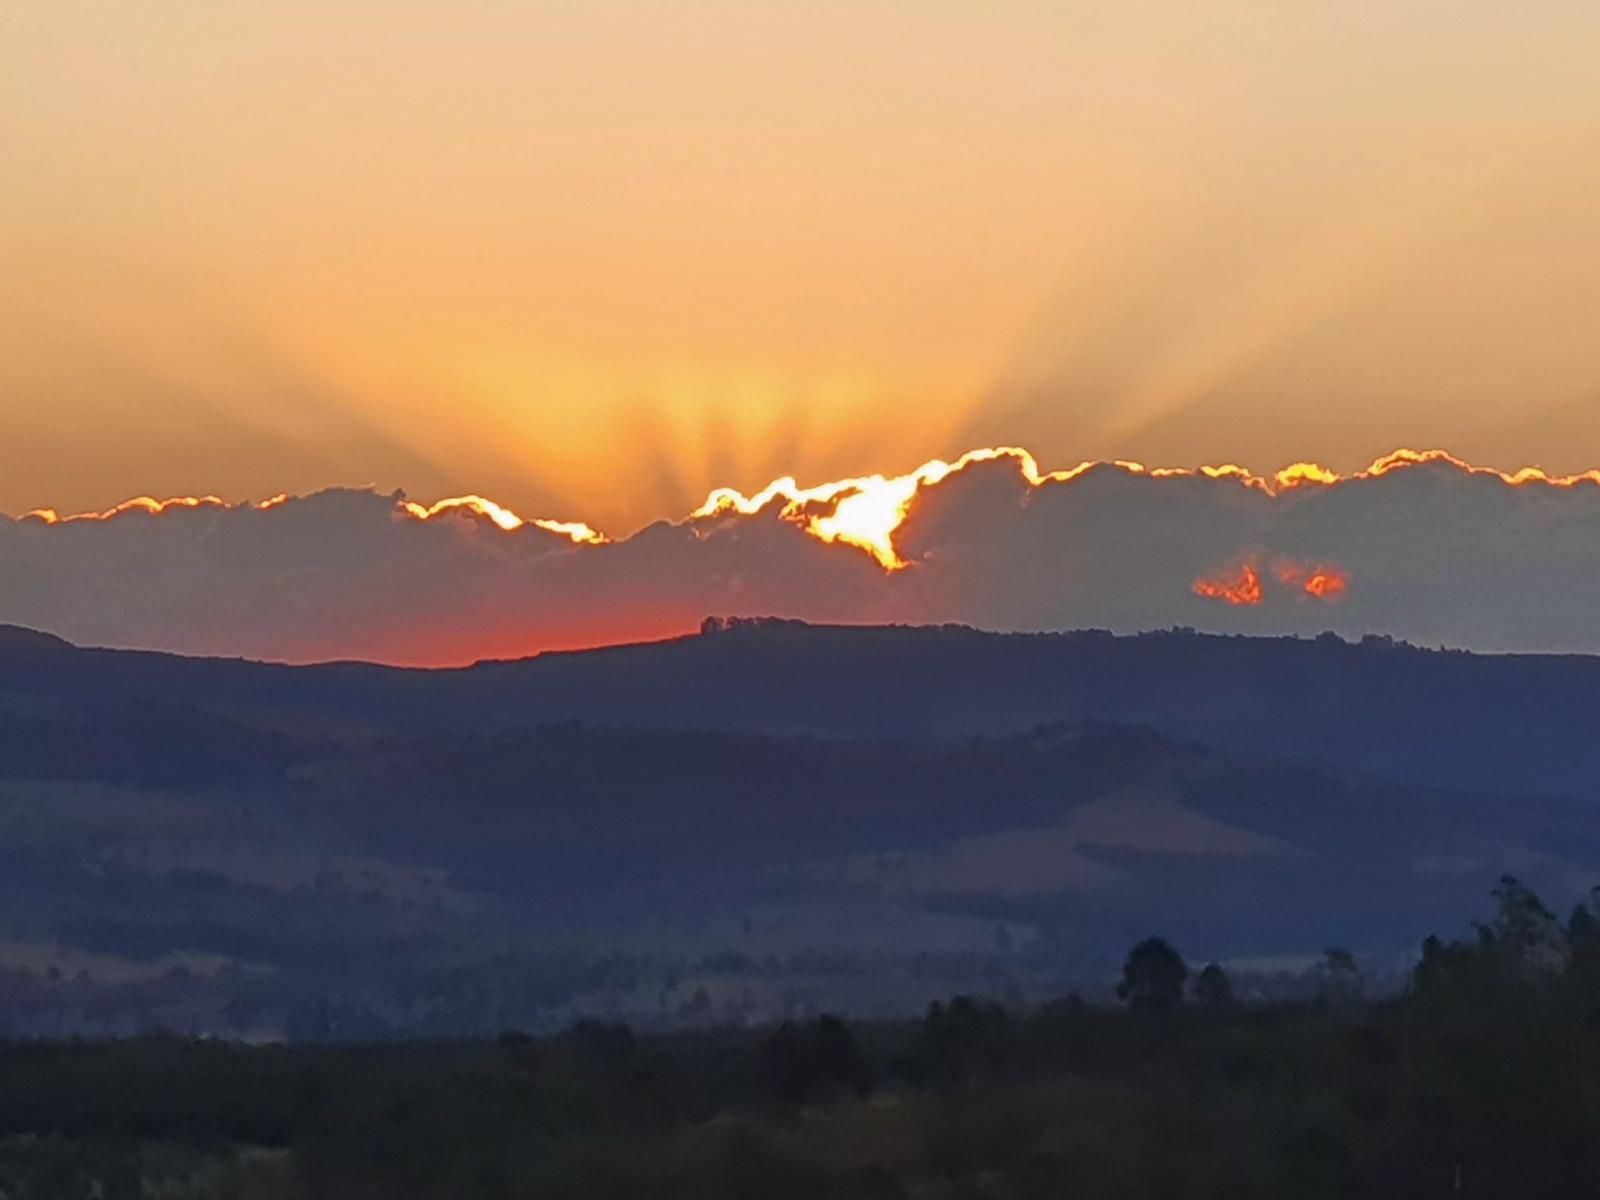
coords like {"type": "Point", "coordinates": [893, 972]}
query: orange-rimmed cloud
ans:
{"type": "Point", "coordinates": [1240, 587]}
{"type": "Point", "coordinates": [576, 531]}
{"type": "Point", "coordinates": [479, 506]}
{"type": "Point", "coordinates": [865, 512]}
{"type": "Point", "coordinates": [987, 539]}
{"type": "Point", "coordinates": [1245, 584]}
{"type": "Point", "coordinates": [1320, 581]}
{"type": "Point", "coordinates": [148, 505]}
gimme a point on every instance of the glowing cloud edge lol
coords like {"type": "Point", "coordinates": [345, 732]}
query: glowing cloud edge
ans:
{"type": "Point", "coordinates": [864, 512]}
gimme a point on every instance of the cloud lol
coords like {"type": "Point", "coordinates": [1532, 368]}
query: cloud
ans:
{"type": "Point", "coordinates": [1423, 547]}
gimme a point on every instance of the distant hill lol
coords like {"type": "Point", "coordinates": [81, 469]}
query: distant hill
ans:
{"type": "Point", "coordinates": [1521, 723]}
{"type": "Point", "coordinates": [758, 821]}
{"type": "Point", "coordinates": [17, 641]}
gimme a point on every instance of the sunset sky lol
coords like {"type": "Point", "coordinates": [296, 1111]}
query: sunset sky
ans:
{"type": "Point", "coordinates": [594, 259]}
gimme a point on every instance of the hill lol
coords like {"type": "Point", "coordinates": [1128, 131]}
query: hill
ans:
{"type": "Point", "coordinates": [1447, 718]}
{"type": "Point", "coordinates": [759, 821]}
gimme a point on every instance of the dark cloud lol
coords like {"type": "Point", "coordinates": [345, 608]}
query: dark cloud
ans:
{"type": "Point", "coordinates": [1431, 552]}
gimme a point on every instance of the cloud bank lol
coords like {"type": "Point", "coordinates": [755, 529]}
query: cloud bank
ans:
{"type": "Point", "coordinates": [1420, 546]}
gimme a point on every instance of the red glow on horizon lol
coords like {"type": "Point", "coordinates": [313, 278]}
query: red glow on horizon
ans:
{"type": "Point", "coordinates": [461, 644]}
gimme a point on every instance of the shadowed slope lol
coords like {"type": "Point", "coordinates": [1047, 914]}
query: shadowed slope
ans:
{"type": "Point", "coordinates": [1512, 722]}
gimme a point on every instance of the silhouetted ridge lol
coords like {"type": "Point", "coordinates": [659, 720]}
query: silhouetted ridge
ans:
{"type": "Point", "coordinates": [19, 639]}
{"type": "Point", "coordinates": [1520, 723]}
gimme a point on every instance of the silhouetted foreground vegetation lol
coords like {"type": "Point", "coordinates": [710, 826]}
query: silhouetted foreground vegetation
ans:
{"type": "Point", "coordinates": [1482, 1080]}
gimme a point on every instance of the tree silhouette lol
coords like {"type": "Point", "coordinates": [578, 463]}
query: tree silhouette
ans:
{"type": "Point", "coordinates": [963, 1037]}
{"type": "Point", "coordinates": [1526, 934]}
{"type": "Point", "coordinates": [1340, 976]}
{"type": "Point", "coordinates": [1153, 977]}
{"type": "Point", "coordinates": [1213, 989]}
{"type": "Point", "coordinates": [808, 1061]}
{"type": "Point", "coordinates": [1583, 944]}
{"type": "Point", "coordinates": [1583, 928]}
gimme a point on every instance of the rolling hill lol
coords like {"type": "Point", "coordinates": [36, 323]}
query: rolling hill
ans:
{"type": "Point", "coordinates": [761, 820]}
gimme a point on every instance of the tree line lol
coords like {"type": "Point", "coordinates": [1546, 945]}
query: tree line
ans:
{"type": "Point", "coordinates": [1481, 1079]}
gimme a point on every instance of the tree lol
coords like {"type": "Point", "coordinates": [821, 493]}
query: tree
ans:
{"type": "Point", "coordinates": [963, 1037]}
{"type": "Point", "coordinates": [1213, 989]}
{"type": "Point", "coordinates": [1525, 933]}
{"type": "Point", "coordinates": [805, 1062]}
{"type": "Point", "coordinates": [1340, 979]}
{"type": "Point", "coordinates": [1583, 928]}
{"type": "Point", "coordinates": [606, 1046]}
{"type": "Point", "coordinates": [1153, 977]}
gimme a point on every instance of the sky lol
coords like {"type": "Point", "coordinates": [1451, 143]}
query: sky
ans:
{"type": "Point", "coordinates": [595, 259]}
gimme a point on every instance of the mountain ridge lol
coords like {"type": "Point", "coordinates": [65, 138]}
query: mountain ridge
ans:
{"type": "Point", "coordinates": [1438, 717]}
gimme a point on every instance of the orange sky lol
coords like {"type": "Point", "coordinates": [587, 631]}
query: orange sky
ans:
{"type": "Point", "coordinates": [595, 258]}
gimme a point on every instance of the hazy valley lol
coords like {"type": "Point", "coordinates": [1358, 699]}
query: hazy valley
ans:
{"type": "Point", "coordinates": [762, 821]}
